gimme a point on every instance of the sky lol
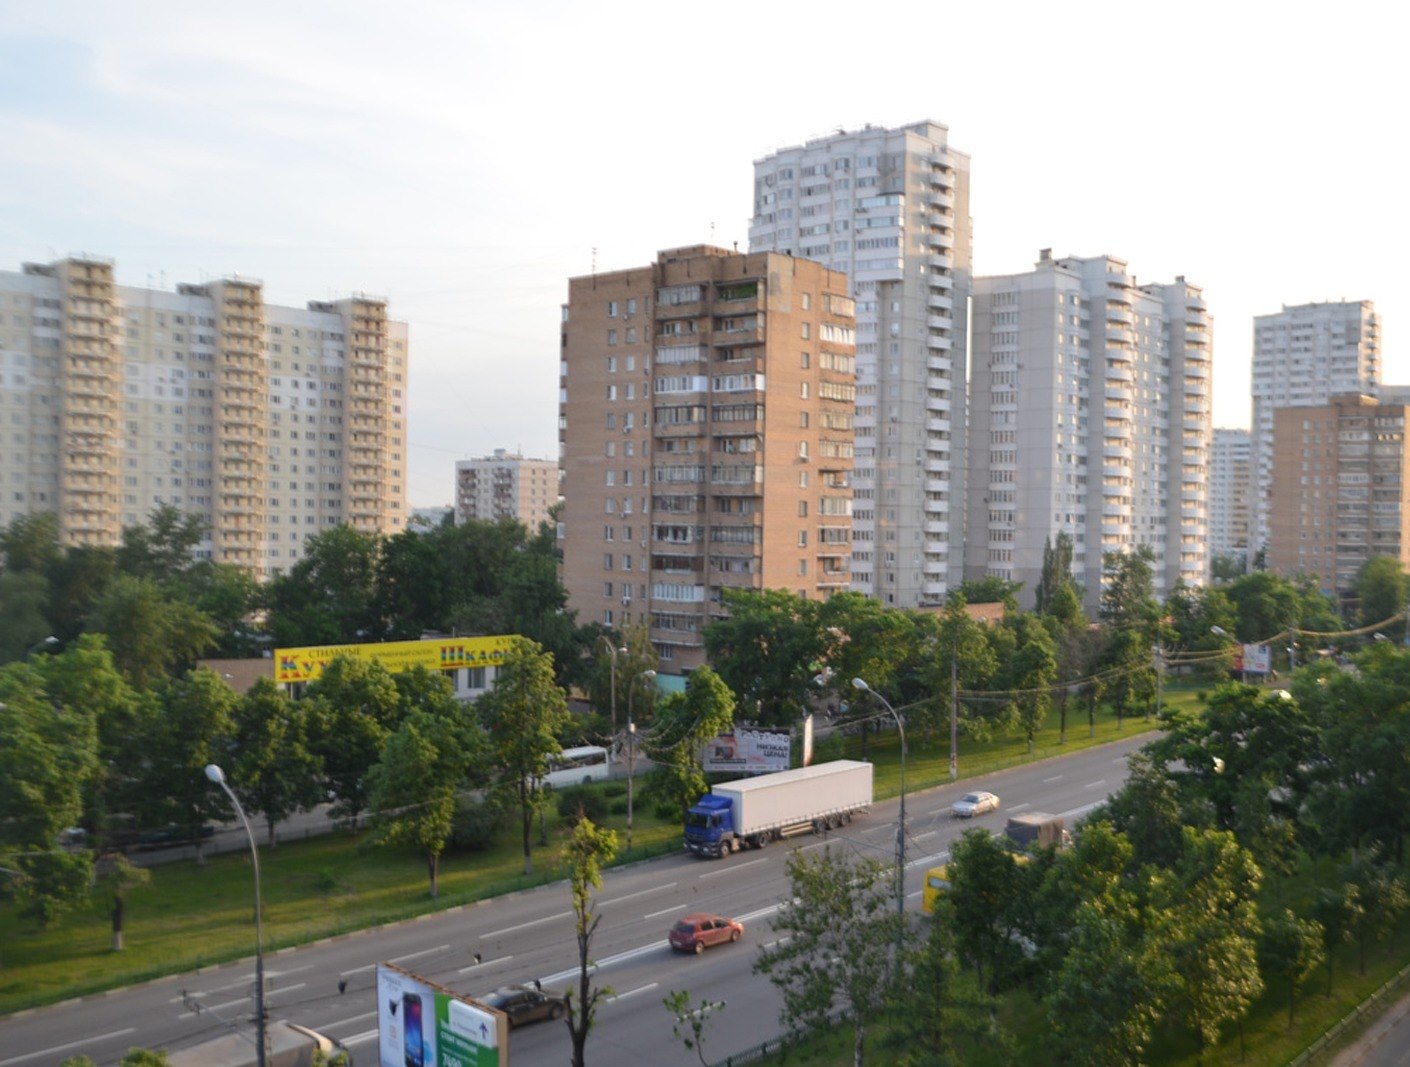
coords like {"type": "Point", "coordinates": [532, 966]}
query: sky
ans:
{"type": "Point", "coordinates": [465, 159]}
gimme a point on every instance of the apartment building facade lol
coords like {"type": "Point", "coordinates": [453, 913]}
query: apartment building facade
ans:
{"type": "Point", "coordinates": [705, 433]}
{"type": "Point", "coordinates": [1090, 416]}
{"type": "Point", "coordinates": [1341, 489]}
{"type": "Point", "coordinates": [1230, 494]}
{"type": "Point", "coordinates": [271, 423]}
{"type": "Point", "coordinates": [1303, 356]}
{"type": "Point", "coordinates": [506, 485]}
{"type": "Point", "coordinates": [890, 208]}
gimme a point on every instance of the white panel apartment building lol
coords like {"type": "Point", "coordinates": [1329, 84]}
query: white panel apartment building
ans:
{"type": "Point", "coordinates": [1089, 415]}
{"type": "Point", "coordinates": [890, 207]}
{"type": "Point", "coordinates": [1302, 357]}
{"type": "Point", "coordinates": [271, 423]}
{"type": "Point", "coordinates": [506, 486]}
{"type": "Point", "coordinates": [1230, 494]}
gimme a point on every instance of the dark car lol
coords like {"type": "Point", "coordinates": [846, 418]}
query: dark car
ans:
{"type": "Point", "coordinates": [699, 931]}
{"type": "Point", "coordinates": [526, 1004]}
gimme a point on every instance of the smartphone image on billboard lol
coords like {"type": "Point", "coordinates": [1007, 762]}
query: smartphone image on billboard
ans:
{"type": "Point", "coordinates": [413, 1043]}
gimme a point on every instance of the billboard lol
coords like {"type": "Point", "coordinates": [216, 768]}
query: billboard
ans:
{"type": "Point", "coordinates": [421, 1024]}
{"type": "Point", "coordinates": [438, 654]}
{"type": "Point", "coordinates": [748, 752]}
{"type": "Point", "coordinates": [1253, 659]}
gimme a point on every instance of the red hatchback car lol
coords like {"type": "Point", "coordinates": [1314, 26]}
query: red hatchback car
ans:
{"type": "Point", "coordinates": [699, 931]}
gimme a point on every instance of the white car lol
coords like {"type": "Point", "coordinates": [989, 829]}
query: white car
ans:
{"type": "Point", "coordinates": [972, 804]}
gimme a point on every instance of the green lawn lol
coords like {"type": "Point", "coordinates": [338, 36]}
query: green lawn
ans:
{"type": "Point", "coordinates": [192, 916]}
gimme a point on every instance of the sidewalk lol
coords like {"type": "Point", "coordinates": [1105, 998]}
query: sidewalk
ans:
{"type": "Point", "coordinates": [1384, 1043]}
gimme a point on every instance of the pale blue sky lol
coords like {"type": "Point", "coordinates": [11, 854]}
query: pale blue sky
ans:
{"type": "Point", "coordinates": [465, 159]}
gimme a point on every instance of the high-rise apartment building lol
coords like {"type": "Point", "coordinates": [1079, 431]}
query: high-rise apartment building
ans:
{"type": "Point", "coordinates": [1230, 494]}
{"type": "Point", "coordinates": [705, 432]}
{"type": "Point", "coordinates": [271, 423]}
{"type": "Point", "coordinates": [1302, 357]}
{"type": "Point", "coordinates": [506, 486]}
{"type": "Point", "coordinates": [1341, 489]}
{"type": "Point", "coordinates": [1090, 416]}
{"type": "Point", "coordinates": [890, 207]}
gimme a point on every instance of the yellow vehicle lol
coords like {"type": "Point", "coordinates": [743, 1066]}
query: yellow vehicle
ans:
{"type": "Point", "coordinates": [937, 883]}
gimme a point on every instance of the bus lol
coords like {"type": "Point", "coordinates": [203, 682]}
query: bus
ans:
{"type": "Point", "coordinates": [575, 766]}
{"type": "Point", "coordinates": [937, 882]}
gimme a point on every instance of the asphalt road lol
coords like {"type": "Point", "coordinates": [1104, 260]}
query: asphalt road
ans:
{"type": "Point", "coordinates": [530, 935]}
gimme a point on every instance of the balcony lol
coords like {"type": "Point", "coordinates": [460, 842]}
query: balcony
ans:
{"type": "Point", "coordinates": [943, 262]}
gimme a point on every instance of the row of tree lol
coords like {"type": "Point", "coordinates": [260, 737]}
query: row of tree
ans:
{"type": "Point", "coordinates": [1178, 904]}
{"type": "Point", "coordinates": [161, 608]}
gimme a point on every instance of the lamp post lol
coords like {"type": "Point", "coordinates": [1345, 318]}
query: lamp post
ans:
{"type": "Point", "coordinates": [216, 775]}
{"type": "Point", "coordinates": [48, 642]}
{"type": "Point", "coordinates": [613, 651]}
{"type": "Point", "coordinates": [858, 683]}
{"type": "Point", "coordinates": [1219, 631]}
{"type": "Point", "coordinates": [631, 748]}
{"type": "Point", "coordinates": [954, 712]}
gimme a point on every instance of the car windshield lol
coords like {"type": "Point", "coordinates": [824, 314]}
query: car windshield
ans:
{"type": "Point", "coordinates": [972, 798]}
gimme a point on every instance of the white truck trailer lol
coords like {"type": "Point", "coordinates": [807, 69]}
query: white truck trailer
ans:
{"type": "Point", "coordinates": [755, 811]}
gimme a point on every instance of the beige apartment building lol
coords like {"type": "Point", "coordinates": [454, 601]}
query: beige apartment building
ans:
{"type": "Point", "coordinates": [1340, 489]}
{"type": "Point", "coordinates": [271, 423]}
{"type": "Point", "coordinates": [506, 486]}
{"type": "Point", "coordinates": [706, 439]}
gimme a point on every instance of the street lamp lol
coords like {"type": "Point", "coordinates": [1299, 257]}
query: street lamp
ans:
{"type": "Point", "coordinates": [631, 748]}
{"type": "Point", "coordinates": [1219, 631]}
{"type": "Point", "coordinates": [858, 683]}
{"type": "Point", "coordinates": [612, 651]}
{"type": "Point", "coordinates": [216, 775]}
{"type": "Point", "coordinates": [48, 642]}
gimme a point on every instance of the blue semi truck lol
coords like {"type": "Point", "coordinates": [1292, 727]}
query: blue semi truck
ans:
{"type": "Point", "coordinates": [754, 811]}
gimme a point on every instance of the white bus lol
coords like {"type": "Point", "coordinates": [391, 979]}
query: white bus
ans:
{"type": "Point", "coordinates": [574, 766]}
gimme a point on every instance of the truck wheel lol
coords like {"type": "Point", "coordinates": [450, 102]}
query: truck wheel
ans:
{"type": "Point", "coordinates": [726, 847]}
{"type": "Point", "coordinates": [819, 825]}
{"type": "Point", "coordinates": [761, 841]}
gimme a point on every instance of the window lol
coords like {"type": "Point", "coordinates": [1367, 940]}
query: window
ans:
{"type": "Point", "coordinates": [612, 309]}
{"type": "Point", "coordinates": [611, 337]}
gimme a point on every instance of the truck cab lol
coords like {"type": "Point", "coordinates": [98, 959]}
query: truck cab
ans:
{"type": "Point", "coordinates": [709, 827]}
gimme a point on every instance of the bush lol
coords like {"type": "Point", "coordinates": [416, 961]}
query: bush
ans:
{"type": "Point", "coordinates": [579, 800]}
{"type": "Point", "coordinates": [614, 789]}
{"type": "Point", "coordinates": [619, 807]}
{"type": "Point", "coordinates": [477, 824]}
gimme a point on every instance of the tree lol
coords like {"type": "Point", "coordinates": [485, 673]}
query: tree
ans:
{"type": "Point", "coordinates": [355, 706]}
{"type": "Point", "coordinates": [117, 876]}
{"type": "Point", "coordinates": [274, 771]}
{"type": "Point", "coordinates": [1103, 1002]}
{"type": "Point", "coordinates": [767, 651]}
{"type": "Point", "coordinates": [415, 786]}
{"type": "Point", "coordinates": [1382, 898]}
{"type": "Point", "coordinates": [688, 1020]}
{"type": "Point", "coordinates": [987, 894]}
{"type": "Point", "coordinates": [31, 542]}
{"type": "Point", "coordinates": [48, 753]}
{"type": "Point", "coordinates": [1204, 932]}
{"type": "Point", "coordinates": [161, 550]}
{"type": "Point", "coordinates": [150, 633]}
{"type": "Point", "coordinates": [328, 596]}
{"type": "Point", "coordinates": [1146, 811]}
{"type": "Point", "coordinates": [524, 714]}
{"type": "Point", "coordinates": [1128, 599]}
{"type": "Point", "coordinates": [1293, 949]}
{"type": "Point", "coordinates": [1029, 672]}
{"type": "Point", "coordinates": [1382, 588]}
{"type": "Point", "coordinates": [939, 1008]}
{"type": "Point", "coordinates": [837, 942]}
{"type": "Point", "coordinates": [25, 595]}
{"type": "Point", "coordinates": [687, 721]}
{"type": "Point", "coordinates": [1056, 575]}
{"type": "Point", "coordinates": [1337, 909]}
{"type": "Point", "coordinates": [588, 850]}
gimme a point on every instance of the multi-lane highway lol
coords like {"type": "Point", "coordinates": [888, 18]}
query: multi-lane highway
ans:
{"type": "Point", "coordinates": [330, 985]}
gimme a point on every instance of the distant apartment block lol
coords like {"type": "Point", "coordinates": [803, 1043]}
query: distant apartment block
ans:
{"type": "Point", "coordinates": [1090, 416]}
{"type": "Point", "coordinates": [1302, 357]}
{"type": "Point", "coordinates": [705, 429]}
{"type": "Point", "coordinates": [271, 423]}
{"type": "Point", "coordinates": [506, 485]}
{"type": "Point", "coordinates": [1341, 490]}
{"type": "Point", "coordinates": [890, 207]}
{"type": "Point", "coordinates": [1230, 494]}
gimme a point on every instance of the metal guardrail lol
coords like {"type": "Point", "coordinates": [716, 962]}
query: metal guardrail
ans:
{"type": "Point", "coordinates": [1357, 1015]}
{"type": "Point", "coordinates": [774, 1044]}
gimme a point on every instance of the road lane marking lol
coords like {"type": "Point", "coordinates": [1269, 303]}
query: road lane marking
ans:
{"type": "Point", "coordinates": [1054, 778]}
{"type": "Point", "coordinates": [65, 1048]}
{"type": "Point", "coordinates": [730, 869]}
{"type": "Point", "coordinates": [484, 963]}
{"type": "Point", "coordinates": [249, 980]}
{"type": "Point", "coordinates": [361, 1039]}
{"type": "Point", "coordinates": [398, 959]}
{"type": "Point", "coordinates": [621, 957]}
{"type": "Point", "coordinates": [1095, 785]}
{"type": "Point", "coordinates": [1018, 807]}
{"type": "Point", "coordinates": [663, 911]}
{"type": "Point", "coordinates": [349, 1021]}
{"type": "Point", "coordinates": [525, 926]}
{"type": "Point", "coordinates": [632, 993]}
{"type": "Point", "coordinates": [642, 893]}
{"type": "Point", "coordinates": [214, 1007]}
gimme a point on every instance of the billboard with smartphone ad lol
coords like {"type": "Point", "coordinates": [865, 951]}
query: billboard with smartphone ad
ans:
{"type": "Point", "coordinates": [421, 1024]}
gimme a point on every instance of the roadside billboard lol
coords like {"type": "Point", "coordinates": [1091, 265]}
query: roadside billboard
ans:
{"type": "Point", "coordinates": [438, 654]}
{"type": "Point", "coordinates": [748, 752]}
{"type": "Point", "coordinates": [421, 1024]}
{"type": "Point", "coordinates": [1253, 659]}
